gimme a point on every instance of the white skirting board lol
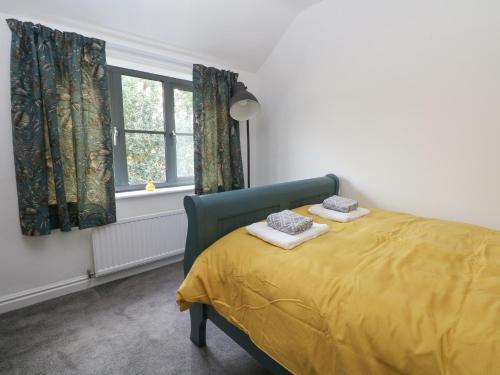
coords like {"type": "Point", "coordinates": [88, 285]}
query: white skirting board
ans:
{"type": "Point", "coordinates": [29, 297]}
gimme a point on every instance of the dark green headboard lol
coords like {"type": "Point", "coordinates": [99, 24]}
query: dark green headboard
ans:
{"type": "Point", "coordinates": [212, 216]}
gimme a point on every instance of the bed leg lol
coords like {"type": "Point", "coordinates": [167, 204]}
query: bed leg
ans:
{"type": "Point", "coordinates": [198, 313]}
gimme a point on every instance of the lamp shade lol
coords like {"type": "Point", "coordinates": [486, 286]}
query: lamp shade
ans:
{"type": "Point", "coordinates": [243, 104]}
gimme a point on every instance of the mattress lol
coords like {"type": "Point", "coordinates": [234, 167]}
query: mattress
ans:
{"type": "Point", "coordinates": [389, 293]}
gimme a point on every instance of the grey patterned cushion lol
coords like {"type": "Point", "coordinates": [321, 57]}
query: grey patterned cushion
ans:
{"type": "Point", "coordinates": [340, 204]}
{"type": "Point", "coordinates": [289, 222]}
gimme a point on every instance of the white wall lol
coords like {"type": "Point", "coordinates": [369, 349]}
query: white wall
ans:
{"type": "Point", "coordinates": [33, 262]}
{"type": "Point", "coordinates": [401, 99]}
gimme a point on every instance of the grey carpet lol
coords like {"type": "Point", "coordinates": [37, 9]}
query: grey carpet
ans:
{"type": "Point", "coordinates": [129, 326]}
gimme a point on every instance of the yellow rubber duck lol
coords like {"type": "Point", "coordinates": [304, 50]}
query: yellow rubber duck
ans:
{"type": "Point", "coordinates": [150, 186]}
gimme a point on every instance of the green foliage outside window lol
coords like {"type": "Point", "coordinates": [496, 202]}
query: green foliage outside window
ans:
{"type": "Point", "coordinates": [183, 104]}
{"type": "Point", "coordinates": [143, 110]}
{"type": "Point", "coordinates": [154, 135]}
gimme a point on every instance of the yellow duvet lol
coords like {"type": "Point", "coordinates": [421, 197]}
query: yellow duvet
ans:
{"type": "Point", "coordinates": [389, 293]}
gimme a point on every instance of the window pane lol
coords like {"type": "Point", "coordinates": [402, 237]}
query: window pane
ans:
{"type": "Point", "coordinates": [142, 104]}
{"type": "Point", "coordinates": [185, 156]}
{"type": "Point", "coordinates": [145, 157]}
{"type": "Point", "coordinates": [183, 104]}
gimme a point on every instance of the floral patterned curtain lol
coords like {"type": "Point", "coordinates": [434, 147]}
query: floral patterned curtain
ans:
{"type": "Point", "coordinates": [61, 129]}
{"type": "Point", "coordinates": [217, 151]}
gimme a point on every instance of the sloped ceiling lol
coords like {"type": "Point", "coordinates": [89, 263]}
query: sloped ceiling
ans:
{"type": "Point", "coordinates": [239, 33]}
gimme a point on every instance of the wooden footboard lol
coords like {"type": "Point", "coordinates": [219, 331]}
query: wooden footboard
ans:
{"type": "Point", "coordinates": [212, 216]}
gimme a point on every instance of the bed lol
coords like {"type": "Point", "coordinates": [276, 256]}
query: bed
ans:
{"type": "Point", "coordinates": [387, 294]}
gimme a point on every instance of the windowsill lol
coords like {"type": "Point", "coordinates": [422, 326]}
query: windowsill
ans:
{"type": "Point", "coordinates": [158, 191]}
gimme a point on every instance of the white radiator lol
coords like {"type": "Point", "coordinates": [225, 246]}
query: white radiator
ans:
{"type": "Point", "coordinates": [138, 240]}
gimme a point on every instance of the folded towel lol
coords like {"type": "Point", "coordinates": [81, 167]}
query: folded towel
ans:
{"type": "Point", "coordinates": [289, 222]}
{"type": "Point", "coordinates": [342, 217]}
{"type": "Point", "coordinates": [340, 204]}
{"type": "Point", "coordinates": [283, 240]}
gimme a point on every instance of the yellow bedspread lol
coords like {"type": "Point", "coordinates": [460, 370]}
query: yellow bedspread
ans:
{"type": "Point", "coordinates": [389, 293]}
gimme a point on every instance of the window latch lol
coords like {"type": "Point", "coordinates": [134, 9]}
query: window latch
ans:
{"type": "Point", "coordinates": [115, 135]}
{"type": "Point", "coordinates": [173, 134]}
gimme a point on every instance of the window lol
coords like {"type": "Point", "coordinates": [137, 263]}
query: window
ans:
{"type": "Point", "coordinates": [152, 118]}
